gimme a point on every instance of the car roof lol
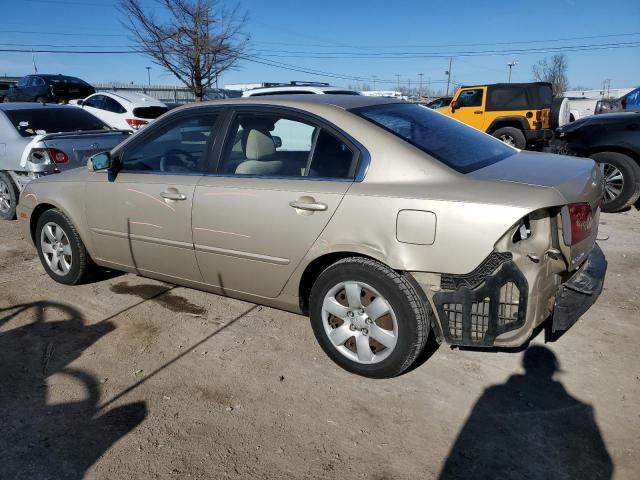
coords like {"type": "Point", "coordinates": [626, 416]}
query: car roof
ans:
{"type": "Point", "coordinates": [133, 97]}
{"type": "Point", "coordinates": [299, 88]}
{"type": "Point", "coordinates": [10, 106]}
{"type": "Point", "coordinates": [345, 102]}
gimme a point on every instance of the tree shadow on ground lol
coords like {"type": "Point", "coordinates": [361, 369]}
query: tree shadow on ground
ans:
{"type": "Point", "coordinates": [53, 441]}
{"type": "Point", "coordinates": [529, 428]}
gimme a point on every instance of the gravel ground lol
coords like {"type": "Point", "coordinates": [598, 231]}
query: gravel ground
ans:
{"type": "Point", "coordinates": [132, 378]}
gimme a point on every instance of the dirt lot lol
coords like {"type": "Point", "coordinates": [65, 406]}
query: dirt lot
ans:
{"type": "Point", "coordinates": [131, 378]}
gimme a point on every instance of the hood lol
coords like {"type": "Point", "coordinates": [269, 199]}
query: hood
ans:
{"type": "Point", "coordinates": [576, 179]}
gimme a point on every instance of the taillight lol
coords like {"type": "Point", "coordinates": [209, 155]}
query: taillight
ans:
{"type": "Point", "coordinates": [135, 123]}
{"type": "Point", "coordinates": [538, 116]}
{"type": "Point", "coordinates": [581, 219]}
{"type": "Point", "coordinates": [58, 156]}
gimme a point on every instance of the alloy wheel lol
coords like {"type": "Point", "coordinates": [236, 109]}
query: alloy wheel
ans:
{"type": "Point", "coordinates": [359, 322]}
{"type": "Point", "coordinates": [56, 249]}
{"type": "Point", "coordinates": [508, 139]}
{"type": "Point", "coordinates": [613, 181]}
{"type": "Point", "coordinates": [5, 197]}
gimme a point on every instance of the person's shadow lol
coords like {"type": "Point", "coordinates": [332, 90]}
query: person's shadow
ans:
{"type": "Point", "coordinates": [529, 428]}
{"type": "Point", "coordinates": [39, 439]}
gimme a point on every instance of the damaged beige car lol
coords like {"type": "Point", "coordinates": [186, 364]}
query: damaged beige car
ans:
{"type": "Point", "coordinates": [383, 221]}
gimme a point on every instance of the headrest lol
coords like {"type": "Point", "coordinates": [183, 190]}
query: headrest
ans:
{"type": "Point", "coordinates": [258, 146]}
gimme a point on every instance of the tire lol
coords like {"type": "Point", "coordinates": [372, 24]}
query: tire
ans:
{"type": "Point", "coordinates": [74, 264]}
{"type": "Point", "coordinates": [6, 100]}
{"type": "Point", "coordinates": [618, 194]}
{"type": "Point", "coordinates": [8, 197]}
{"type": "Point", "coordinates": [511, 136]}
{"type": "Point", "coordinates": [42, 100]}
{"type": "Point", "coordinates": [404, 328]}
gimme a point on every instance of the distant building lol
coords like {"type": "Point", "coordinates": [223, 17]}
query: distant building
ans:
{"type": "Point", "coordinates": [383, 93]}
{"type": "Point", "coordinates": [596, 94]}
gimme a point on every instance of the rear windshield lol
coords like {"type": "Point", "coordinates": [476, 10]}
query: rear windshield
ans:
{"type": "Point", "coordinates": [149, 112]}
{"type": "Point", "coordinates": [459, 146]}
{"type": "Point", "coordinates": [53, 120]}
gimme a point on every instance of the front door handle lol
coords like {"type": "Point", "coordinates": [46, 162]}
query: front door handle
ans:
{"type": "Point", "coordinates": [173, 196]}
{"type": "Point", "coordinates": [478, 112]}
{"type": "Point", "coordinates": [309, 206]}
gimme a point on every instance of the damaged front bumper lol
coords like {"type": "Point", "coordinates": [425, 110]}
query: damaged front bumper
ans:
{"type": "Point", "coordinates": [477, 308]}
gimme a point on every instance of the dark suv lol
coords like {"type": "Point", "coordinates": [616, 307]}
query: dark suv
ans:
{"type": "Point", "coordinates": [48, 88]}
{"type": "Point", "coordinates": [613, 141]}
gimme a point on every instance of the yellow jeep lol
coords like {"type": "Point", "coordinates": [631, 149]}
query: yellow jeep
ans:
{"type": "Point", "coordinates": [516, 113]}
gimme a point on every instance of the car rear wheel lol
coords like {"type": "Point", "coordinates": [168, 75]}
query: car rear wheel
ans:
{"type": "Point", "coordinates": [8, 198]}
{"type": "Point", "coordinates": [511, 136]}
{"type": "Point", "coordinates": [60, 248]}
{"type": "Point", "coordinates": [621, 180]}
{"type": "Point", "coordinates": [368, 319]}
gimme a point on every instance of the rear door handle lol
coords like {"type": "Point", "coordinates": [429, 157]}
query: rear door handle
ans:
{"type": "Point", "coordinates": [173, 196]}
{"type": "Point", "coordinates": [310, 206]}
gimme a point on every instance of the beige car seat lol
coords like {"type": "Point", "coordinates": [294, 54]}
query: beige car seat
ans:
{"type": "Point", "coordinates": [259, 150]}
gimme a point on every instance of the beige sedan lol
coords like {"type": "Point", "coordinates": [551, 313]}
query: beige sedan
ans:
{"type": "Point", "coordinates": [384, 221]}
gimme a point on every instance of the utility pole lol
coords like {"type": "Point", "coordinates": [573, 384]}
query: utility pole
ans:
{"type": "Point", "coordinates": [448, 73]}
{"type": "Point", "coordinates": [409, 92]}
{"type": "Point", "coordinates": [420, 89]}
{"type": "Point", "coordinates": [375, 77]}
{"type": "Point", "coordinates": [149, 74]}
{"type": "Point", "coordinates": [511, 65]}
{"type": "Point", "coordinates": [398, 77]}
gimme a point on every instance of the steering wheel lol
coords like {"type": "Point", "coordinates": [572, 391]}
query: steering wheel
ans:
{"type": "Point", "coordinates": [176, 160]}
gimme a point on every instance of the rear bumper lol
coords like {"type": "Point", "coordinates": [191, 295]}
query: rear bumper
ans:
{"type": "Point", "coordinates": [538, 135]}
{"type": "Point", "coordinates": [577, 294]}
{"type": "Point", "coordinates": [479, 308]}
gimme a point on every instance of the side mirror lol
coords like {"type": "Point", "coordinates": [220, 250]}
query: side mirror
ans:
{"type": "Point", "coordinates": [79, 102]}
{"type": "Point", "coordinates": [100, 161]}
{"type": "Point", "coordinates": [454, 105]}
{"type": "Point", "coordinates": [277, 141]}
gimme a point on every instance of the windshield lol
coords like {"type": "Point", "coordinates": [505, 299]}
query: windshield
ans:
{"type": "Point", "coordinates": [462, 148]}
{"type": "Point", "coordinates": [53, 120]}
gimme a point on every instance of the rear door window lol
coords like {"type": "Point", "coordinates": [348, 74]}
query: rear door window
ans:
{"type": "Point", "coordinates": [111, 105]}
{"type": "Point", "coordinates": [508, 98]}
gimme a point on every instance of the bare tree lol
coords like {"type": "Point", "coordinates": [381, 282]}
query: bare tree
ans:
{"type": "Point", "coordinates": [553, 71]}
{"type": "Point", "coordinates": [199, 40]}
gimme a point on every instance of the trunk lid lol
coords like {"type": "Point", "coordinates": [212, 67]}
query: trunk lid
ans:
{"type": "Point", "coordinates": [79, 146]}
{"type": "Point", "coordinates": [578, 180]}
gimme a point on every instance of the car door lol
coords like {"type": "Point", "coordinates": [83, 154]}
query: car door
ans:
{"type": "Point", "coordinates": [37, 88]}
{"type": "Point", "coordinates": [469, 107]}
{"type": "Point", "coordinates": [279, 180]}
{"type": "Point", "coordinates": [93, 105]}
{"type": "Point", "coordinates": [141, 217]}
{"type": "Point", "coordinates": [113, 113]}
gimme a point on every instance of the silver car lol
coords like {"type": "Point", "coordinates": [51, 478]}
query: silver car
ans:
{"type": "Point", "coordinates": [384, 221]}
{"type": "Point", "coordinates": [40, 139]}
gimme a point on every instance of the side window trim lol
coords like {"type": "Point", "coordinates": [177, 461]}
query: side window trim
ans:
{"type": "Point", "coordinates": [219, 112]}
{"type": "Point", "coordinates": [362, 157]}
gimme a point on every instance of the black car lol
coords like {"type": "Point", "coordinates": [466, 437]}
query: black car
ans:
{"type": "Point", "coordinates": [613, 141]}
{"type": "Point", "coordinates": [48, 88]}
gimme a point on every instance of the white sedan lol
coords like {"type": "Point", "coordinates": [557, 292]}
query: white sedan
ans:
{"type": "Point", "coordinates": [123, 110]}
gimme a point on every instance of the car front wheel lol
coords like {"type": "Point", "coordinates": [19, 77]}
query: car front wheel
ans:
{"type": "Point", "coordinates": [621, 176]}
{"type": "Point", "coordinates": [368, 318]}
{"type": "Point", "coordinates": [60, 248]}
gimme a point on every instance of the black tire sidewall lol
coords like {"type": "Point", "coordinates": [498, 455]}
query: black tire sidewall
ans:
{"type": "Point", "coordinates": [405, 316]}
{"type": "Point", "coordinates": [519, 139]}
{"type": "Point", "coordinates": [77, 247]}
{"type": "Point", "coordinates": [13, 197]}
{"type": "Point", "coordinates": [631, 175]}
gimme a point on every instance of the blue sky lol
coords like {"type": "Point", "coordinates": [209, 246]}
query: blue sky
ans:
{"type": "Point", "coordinates": [375, 28]}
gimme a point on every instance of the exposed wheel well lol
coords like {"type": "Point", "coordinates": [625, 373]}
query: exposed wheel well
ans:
{"type": "Point", "coordinates": [37, 212]}
{"type": "Point", "coordinates": [313, 271]}
{"type": "Point", "coordinates": [630, 153]}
